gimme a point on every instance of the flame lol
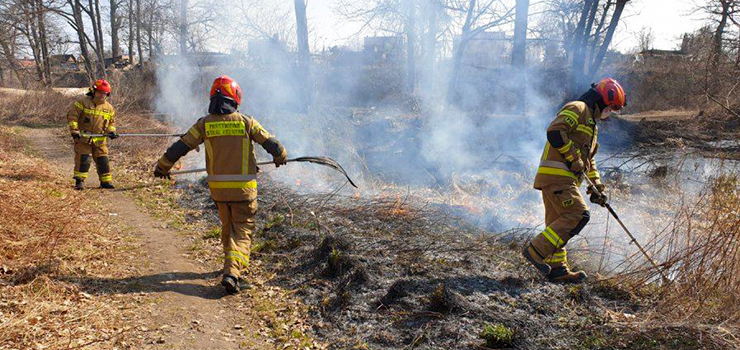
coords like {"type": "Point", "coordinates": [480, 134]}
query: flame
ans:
{"type": "Point", "coordinates": [471, 207]}
{"type": "Point", "coordinates": [398, 208]}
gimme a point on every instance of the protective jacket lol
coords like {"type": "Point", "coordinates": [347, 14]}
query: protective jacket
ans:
{"type": "Point", "coordinates": [573, 134]}
{"type": "Point", "coordinates": [88, 118]}
{"type": "Point", "coordinates": [230, 160]}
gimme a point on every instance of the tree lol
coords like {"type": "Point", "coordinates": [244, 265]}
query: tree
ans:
{"type": "Point", "coordinates": [93, 12]}
{"type": "Point", "coordinates": [130, 11]}
{"type": "Point", "coordinates": [583, 68]}
{"type": "Point", "coordinates": [645, 39]}
{"type": "Point", "coordinates": [138, 32]}
{"type": "Point", "coordinates": [304, 55]}
{"type": "Point", "coordinates": [115, 25]}
{"type": "Point", "coordinates": [192, 22]}
{"type": "Point", "coordinates": [723, 12]}
{"type": "Point", "coordinates": [410, 45]}
{"type": "Point", "coordinates": [10, 37]}
{"type": "Point", "coordinates": [518, 53]}
{"type": "Point", "coordinates": [607, 38]}
{"type": "Point", "coordinates": [430, 8]}
{"type": "Point", "coordinates": [75, 20]}
{"type": "Point", "coordinates": [183, 27]}
{"type": "Point", "coordinates": [30, 21]}
{"type": "Point", "coordinates": [395, 17]}
{"type": "Point", "coordinates": [478, 18]}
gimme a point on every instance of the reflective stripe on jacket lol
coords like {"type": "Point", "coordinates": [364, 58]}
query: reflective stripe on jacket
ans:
{"type": "Point", "coordinates": [576, 123]}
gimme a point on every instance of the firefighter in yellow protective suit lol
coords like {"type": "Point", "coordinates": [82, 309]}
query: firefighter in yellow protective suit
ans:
{"type": "Point", "coordinates": [569, 155]}
{"type": "Point", "coordinates": [232, 170]}
{"type": "Point", "coordinates": [92, 114]}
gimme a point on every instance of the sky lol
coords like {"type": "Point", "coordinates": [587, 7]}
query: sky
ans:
{"type": "Point", "coordinates": [668, 20]}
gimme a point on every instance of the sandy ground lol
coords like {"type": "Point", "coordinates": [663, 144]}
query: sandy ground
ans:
{"type": "Point", "coordinates": [669, 115]}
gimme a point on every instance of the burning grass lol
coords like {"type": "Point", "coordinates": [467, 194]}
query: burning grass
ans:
{"type": "Point", "coordinates": [47, 230]}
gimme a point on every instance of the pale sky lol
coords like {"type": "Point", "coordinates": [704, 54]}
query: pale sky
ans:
{"type": "Point", "coordinates": [668, 19]}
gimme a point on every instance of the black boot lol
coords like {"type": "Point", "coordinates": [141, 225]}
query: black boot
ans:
{"type": "Point", "coordinates": [107, 185]}
{"type": "Point", "coordinates": [231, 284]}
{"type": "Point", "coordinates": [79, 184]}
{"type": "Point", "coordinates": [562, 274]}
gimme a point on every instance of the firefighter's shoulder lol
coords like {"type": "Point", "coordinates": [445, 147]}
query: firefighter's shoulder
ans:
{"type": "Point", "coordinates": [247, 117]}
{"type": "Point", "coordinates": [578, 107]}
{"type": "Point", "coordinates": [85, 100]}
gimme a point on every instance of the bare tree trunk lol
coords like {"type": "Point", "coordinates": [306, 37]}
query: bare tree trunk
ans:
{"type": "Point", "coordinates": [93, 14]}
{"type": "Point", "coordinates": [430, 49]}
{"type": "Point", "coordinates": [115, 25]}
{"type": "Point", "coordinates": [43, 41]}
{"type": "Point", "coordinates": [518, 54]}
{"type": "Point", "coordinates": [138, 32]}
{"type": "Point", "coordinates": [304, 55]}
{"type": "Point", "coordinates": [131, 31]}
{"type": "Point", "coordinates": [583, 30]}
{"type": "Point", "coordinates": [594, 44]}
{"type": "Point", "coordinates": [458, 54]}
{"type": "Point", "coordinates": [737, 59]}
{"type": "Point", "coordinates": [10, 56]}
{"type": "Point", "coordinates": [150, 34]}
{"type": "Point", "coordinates": [30, 22]}
{"type": "Point", "coordinates": [607, 38]}
{"type": "Point", "coordinates": [183, 27]}
{"type": "Point", "coordinates": [99, 19]}
{"type": "Point", "coordinates": [79, 26]}
{"type": "Point", "coordinates": [719, 33]}
{"type": "Point", "coordinates": [411, 47]}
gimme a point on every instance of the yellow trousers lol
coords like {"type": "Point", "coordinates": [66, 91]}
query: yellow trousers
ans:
{"type": "Point", "coordinates": [566, 213]}
{"type": "Point", "coordinates": [99, 151]}
{"type": "Point", "coordinates": [237, 227]}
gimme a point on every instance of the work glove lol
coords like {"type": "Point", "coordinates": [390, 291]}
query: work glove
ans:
{"type": "Point", "coordinates": [112, 135]}
{"type": "Point", "coordinates": [598, 198]}
{"type": "Point", "coordinates": [161, 173]}
{"type": "Point", "coordinates": [75, 135]}
{"type": "Point", "coordinates": [576, 166]}
{"type": "Point", "coordinates": [281, 159]}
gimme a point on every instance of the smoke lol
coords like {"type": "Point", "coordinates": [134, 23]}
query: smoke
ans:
{"type": "Point", "coordinates": [362, 116]}
{"type": "Point", "coordinates": [473, 157]}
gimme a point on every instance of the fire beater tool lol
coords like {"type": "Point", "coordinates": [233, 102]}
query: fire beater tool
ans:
{"type": "Point", "coordinates": [325, 161]}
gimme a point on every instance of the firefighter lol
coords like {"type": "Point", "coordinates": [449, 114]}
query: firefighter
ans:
{"type": "Point", "coordinates": [232, 170]}
{"type": "Point", "coordinates": [569, 154]}
{"type": "Point", "coordinates": [92, 114]}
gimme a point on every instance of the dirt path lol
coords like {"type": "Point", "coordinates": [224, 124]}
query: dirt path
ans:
{"type": "Point", "coordinates": [190, 310]}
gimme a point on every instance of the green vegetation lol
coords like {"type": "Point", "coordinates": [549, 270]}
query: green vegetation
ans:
{"type": "Point", "coordinates": [497, 336]}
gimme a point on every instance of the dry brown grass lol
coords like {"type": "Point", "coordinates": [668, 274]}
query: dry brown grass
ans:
{"type": "Point", "coordinates": [49, 233]}
{"type": "Point", "coordinates": [34, 108]}
{"type": "Point", "coordinates": [700, 254]}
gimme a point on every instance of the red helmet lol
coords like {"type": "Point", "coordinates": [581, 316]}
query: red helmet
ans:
{"type": "Point", "coordinates": [612, 93]}
{"type": "Point", "coordinates": [102, 85]}
{"type": "Point", "coordinates": [228, 88]}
